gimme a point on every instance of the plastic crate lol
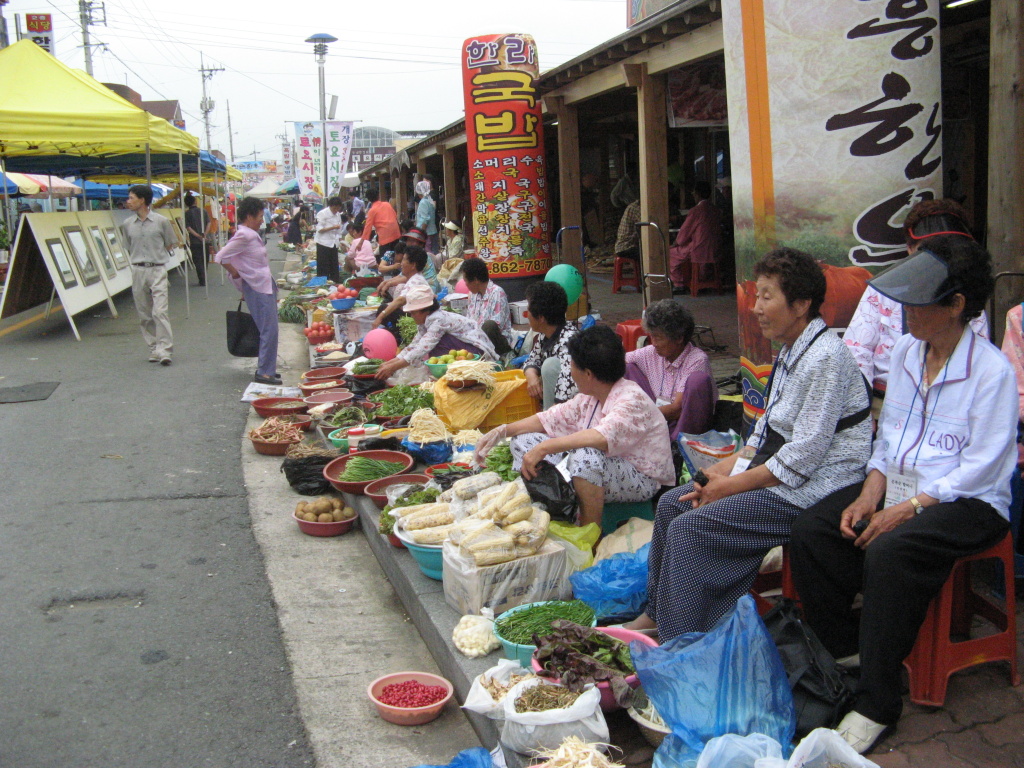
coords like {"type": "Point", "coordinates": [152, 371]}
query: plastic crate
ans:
{"type": "Point", "coordinates": [518, 405]}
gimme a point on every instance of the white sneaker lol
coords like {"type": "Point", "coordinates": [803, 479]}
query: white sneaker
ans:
{"type": "Point", "coordinates": [860, 732]}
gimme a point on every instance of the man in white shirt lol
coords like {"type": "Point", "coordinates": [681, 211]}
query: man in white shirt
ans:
{"type": "Point", "coordinates": [328, 231]}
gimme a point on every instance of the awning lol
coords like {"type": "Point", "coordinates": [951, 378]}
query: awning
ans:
{"type": "Point", "coordinates": [46, 186]}
{"type": "Point", "coordinates": [17, 184]}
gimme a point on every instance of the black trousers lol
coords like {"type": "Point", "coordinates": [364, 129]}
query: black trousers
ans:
{"type": "Point", "coordinates": [493, 332]}
{"type": "Point", "coordinates": [199, 259]}
{"type": "Point", "coordinates": [327, 263]}
{"type": "Point", "coordinates": [898, 574]}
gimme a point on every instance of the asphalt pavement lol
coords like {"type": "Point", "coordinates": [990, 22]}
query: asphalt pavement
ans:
{"type": "Point", "coordinates": [139, 624]}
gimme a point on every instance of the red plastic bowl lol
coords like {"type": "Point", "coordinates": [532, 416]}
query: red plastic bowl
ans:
{"type": "Point", "coordinates": [325, 529]}
{"type": "Point", "coordinates": [608, 703]}
{"type": "Point", "coordinates": [262, 406]}
{"type": "Point", "coordinates": [375, 490]}
{"type": "Point", "coordinates": [328, 372]}
{"type": "Point", "coordinates": [304, 422]}
{"type": "Point", "coordinates": [337, 466]}
{"type": "Point", "coordinates": [332, 396]}
{"type": "Point", "coordinates": [408, 715]}
{"type": "Point", "coordinates": [271, 449]}
{"type": "Point", "coordinates": [429, 471]}
{"type": "Point", "coordinates": [309, 389]}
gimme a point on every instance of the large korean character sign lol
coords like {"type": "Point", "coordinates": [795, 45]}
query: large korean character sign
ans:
{"type": "Point", "coordinates": [505, 143]}
{"type": "Point", "coordinates": [835, 125]}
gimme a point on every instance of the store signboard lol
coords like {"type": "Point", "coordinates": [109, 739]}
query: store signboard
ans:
{"type": "Point", "coordinates": [322, 150]}
{"type": "Point", "coordinates": [835, 133]}
{"type": "Point", "coordinates": [39, 29]}
{"type": "Point", "coordinates": [505, 147]}
{"type": "Point", "coordinates": [364, 157]}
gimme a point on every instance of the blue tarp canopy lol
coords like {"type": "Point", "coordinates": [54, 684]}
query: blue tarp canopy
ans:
{"type": "Point", "coordinates": [115, 165]}
{"type": "Point", "coordinates": [95, 191]}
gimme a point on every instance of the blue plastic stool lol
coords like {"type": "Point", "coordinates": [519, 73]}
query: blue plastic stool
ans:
{"type": "Point", "coordinates": [614, 514]}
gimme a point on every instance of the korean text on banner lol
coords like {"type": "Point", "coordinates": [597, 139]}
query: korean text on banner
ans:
{"type": "Point", "coordinates": [316, 143]}
{"type": "Point", "coordinates": [505, 144]}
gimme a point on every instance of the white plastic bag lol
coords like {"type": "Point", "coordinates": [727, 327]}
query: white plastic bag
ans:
{"type": "Point", "coordinates": [480, 700]}
{"type": "Point", "coordinates": [474, 635]}
{"type": "Point", "coordinates": [823, 748]}
{"type": "Point", "coordinates": [531, 732]}
{"type": "Point", "coordinates": [733, 751]}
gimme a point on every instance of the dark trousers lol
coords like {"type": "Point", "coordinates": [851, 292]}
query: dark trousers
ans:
{"type": "Point", "coordinates": [327, 263]}
{"type": "Point", "coordinates": [199, 259]}
{"type": "Point", "coordinates": [501, 345]}
{"type": "Point", "coordinates": [898, 574]}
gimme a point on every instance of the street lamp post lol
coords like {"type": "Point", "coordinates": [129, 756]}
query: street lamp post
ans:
{"type": "Point", "coordinates": [320, 42]}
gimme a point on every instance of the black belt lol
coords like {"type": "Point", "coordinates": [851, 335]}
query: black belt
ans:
{"type": "Point", "coordinates": [147, 264]}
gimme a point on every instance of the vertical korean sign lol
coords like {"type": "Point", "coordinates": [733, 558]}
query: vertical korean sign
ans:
{"type": "Point", "coordinates": [505, 146]}
{"type": "Point", "coordinates": [322, 152]}
{"type": "Point", "coordinates": [39, 29]}
{"type": "Point", "coordinates": [861, 86]}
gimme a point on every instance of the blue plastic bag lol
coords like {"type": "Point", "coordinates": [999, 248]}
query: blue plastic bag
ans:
{"type": "Point", "coordinates": [728, 680]}
{"type": "Point", "coordinates": [477, 757]}
{"type": "Point", "coordinates": [616, 586]}
{"type": "Point", "coordinates": [428, 453]}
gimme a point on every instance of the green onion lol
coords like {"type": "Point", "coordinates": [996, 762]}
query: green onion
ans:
{"type": "Point", "coordinates": [519, 627]}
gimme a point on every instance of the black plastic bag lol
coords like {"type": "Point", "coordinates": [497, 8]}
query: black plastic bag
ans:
{"type": "Point", "coordinates": [381, 444]}
{"type": "Point", "coordinates": [549, 488]}
{"type": "Point", "coordinates": [363, 387]}
{"type": "Point", "coordinates": [306, 475]}
{"type": "Point", "coordinates": [242, 333]}
{"type": "Point", "coordinates": [823, 691]}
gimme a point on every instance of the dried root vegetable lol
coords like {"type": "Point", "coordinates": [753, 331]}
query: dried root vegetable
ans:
{"type": "Point", "coordinates": [576, 753]}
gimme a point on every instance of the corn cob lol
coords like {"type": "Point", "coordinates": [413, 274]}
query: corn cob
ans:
{"type": "Point", "coordinates": [429, 521]}
{"type": "Point", "coordinates": [469, 487]}
{"type": "Point", "coordinates": [431, 535]}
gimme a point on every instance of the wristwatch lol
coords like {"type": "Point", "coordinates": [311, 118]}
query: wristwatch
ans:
{"type": "Point", "coordinates": [917, 505]}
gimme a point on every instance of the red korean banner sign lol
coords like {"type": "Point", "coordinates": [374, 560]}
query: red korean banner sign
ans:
{"type": "Point", "coordinates": [505, 145]}
{"type": "Point", "coordinates": [835, 129]}
{"type": "Point", "coordinates": [322, 150]}
{"type": "Point", "coordinates": [39, 29]}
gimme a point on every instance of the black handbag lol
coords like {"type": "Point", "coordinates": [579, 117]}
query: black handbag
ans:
{"type": "Point", "coordinates": [823, 691]}
{"type": "Point", "coordinates": [243, 335]}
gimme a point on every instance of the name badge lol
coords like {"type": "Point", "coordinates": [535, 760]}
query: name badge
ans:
{"type": "Point", "coordinates": [563, 468]}
{"type": "Point", "coordinates": [744, 457]}
{"type": "Point", "coordinates": [662, 401]}
{"type": "Point", "coordinates": [898, 487]}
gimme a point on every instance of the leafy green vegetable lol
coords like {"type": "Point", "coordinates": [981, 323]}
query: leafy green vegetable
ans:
{"type": "Point", "coordinates": [579, 655]}
{"type": "Point", "coordinates": [402, 400]}
{"type": "Point", "coordinates": [349, 416]}
{"type": "Point", "coordinates": [407, 328]}
{"type": "Point", "coordinates": [360, 469]}
{"type": "Point", "coordinates": [500, 460]}
{"type": "Point", "coordinates": [367, 366]}
{"type": "Point", "coordinates": [520, 626]}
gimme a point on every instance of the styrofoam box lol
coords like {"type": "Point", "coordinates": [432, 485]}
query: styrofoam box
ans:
{"type": "Point", "coordinates": [518, 309]}
{"type": "Point", "coordinates": [541, 576]}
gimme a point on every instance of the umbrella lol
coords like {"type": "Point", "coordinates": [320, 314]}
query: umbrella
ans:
{"type": "Point", "coordinates": [288, 188]}
{"type": "Point", "coordinates": [51, 186]}
{"type": "Point", "coordinates": [18, 184]}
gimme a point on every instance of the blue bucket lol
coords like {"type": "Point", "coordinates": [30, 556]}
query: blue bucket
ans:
{"type": "Point", "coordinates": [429, 559]}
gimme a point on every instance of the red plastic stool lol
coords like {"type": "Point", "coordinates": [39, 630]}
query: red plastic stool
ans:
{"type": "Point", "coordinates": [697, 283]}
{"type": "Point", "coordinates": [632, 280]}
{"type": "Point", "coordinates": [935, 656]}
{"type": "Point", "coordinates": [630, 331]}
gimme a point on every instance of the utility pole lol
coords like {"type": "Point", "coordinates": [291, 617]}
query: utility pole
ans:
{"type": "Point", "coordinates": [85, 17]}
{"type": "Point", "coordinates": [206, 106]}
{"type": "Point", "coordinates": [231, 136]}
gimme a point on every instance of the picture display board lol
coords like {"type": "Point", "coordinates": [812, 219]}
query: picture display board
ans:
{"type": "Point", "coordinates": [99, 233]}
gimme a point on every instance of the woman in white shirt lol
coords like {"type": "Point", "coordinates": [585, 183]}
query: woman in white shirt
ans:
{"type": "Point", "coordinates": [938, 483]}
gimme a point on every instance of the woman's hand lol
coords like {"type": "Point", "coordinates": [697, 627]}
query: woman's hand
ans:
{"type": "Point", "coordinates": [532, 459]}
{"type": "Point", "coordinates": [534, 385]}
{"type": "Point", "coordinates": [376, 322]}
{"type": "Point", "coordinates": [717, 487]}
{"type": "Point", "coordinates": [389, 368]}
{"type": "Point", "coordinates": [861, 509]}
{"type": "Point", "coordinates": [487, 442]}
{"type": "Point", "coordinates": [885, 521]}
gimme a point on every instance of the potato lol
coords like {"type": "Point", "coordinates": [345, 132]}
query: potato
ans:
{"type": "Point", "coordinates": [320, 506]}
{"type": "Point", "coordinates": [300, 508]}
{"type": "Point", "coordinates": [338, 515]}
{"type": "Point", "coordinates": [336, 503]}
{"type": "Point", "coordinates": [325, 517]}
{"type": "Point", "coordinates": [309, 517]}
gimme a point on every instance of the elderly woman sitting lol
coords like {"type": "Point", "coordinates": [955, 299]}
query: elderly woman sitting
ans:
{"type": "Point", "coordinates": [814, 438]}
{"type": "Point", "coordinates": [438, 333]}
{"type": "Point", "coordinates": [611, 436]}
{"type": "Point", "coordinates": [674, 373]}
{"type": "Point", "coordinates": [938, 484]}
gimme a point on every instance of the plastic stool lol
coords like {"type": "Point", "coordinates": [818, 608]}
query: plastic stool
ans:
{"type": "Point", "coordinates": [631, 332]}
{"type": "Point", "coordinates": [697, 283]}
{"type": "Point", "coordinates": [615, 514]}
{"type": "Point", "coordinates": [632, 281]}
{"type": "Point", "coordinates": [935, 656]}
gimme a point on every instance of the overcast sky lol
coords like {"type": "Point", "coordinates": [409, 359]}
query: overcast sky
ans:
{"type": "Point", "coordinates": [396, 63]}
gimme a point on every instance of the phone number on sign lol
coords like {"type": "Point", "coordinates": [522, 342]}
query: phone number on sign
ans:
{"type": "Point", "coordinates": [528, 267]}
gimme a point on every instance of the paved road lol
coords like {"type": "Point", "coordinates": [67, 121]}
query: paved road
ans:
{"type": "Point", "coordinates": [137, 622]}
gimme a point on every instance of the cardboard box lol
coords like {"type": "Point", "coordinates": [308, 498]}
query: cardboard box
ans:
{"type": "Point", "coordinates": [541, 576]}
{"type": "Point", "coordinates": [518, 310]}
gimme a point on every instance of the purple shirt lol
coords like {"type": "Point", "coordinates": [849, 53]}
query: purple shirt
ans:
{"type": "Point", "coordinates": [247, 254]}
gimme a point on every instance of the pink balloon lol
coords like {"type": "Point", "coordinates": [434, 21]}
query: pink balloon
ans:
{"type": "Point", "coordinates": [461, 287]}
{"type": "Point", "coordinates": [380, 344]}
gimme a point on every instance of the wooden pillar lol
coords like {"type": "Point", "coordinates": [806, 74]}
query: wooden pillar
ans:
{"type": "Point", "coordinates": [569, 180]}
{"type": "Point", "coordinates": [382, 193]}
{"type": "Point", "coordinates": [652, 123]}
{"type": "Point", "coordinates": [451, 186]}
{"type": "Point", "coordinates": [421, 167]}
{"type": "Point", "coordinates": [401, 194]}
{"type": "Point", "coordinates": [1005, 224]}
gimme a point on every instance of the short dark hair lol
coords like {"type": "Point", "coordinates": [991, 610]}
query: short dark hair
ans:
{"type": "Point", "coordinates": [400, 247]}
{"type": "Point", "coordinates": [417, 256]}
{"type": "Point", "coordinates": [970, 272]}
{"type": "Point", "coordinates": [405, 225]}
{"type": "Point", "coordinates": [599, 350]}
{"type": "Point", "coordinates": [142, 191]}
{"type": "Point", "coordinates": [354, 192]}
{"type": "Point", "coordinates": [190, 199]}
{"type": "Point", "coordinates": [669, 318]}
{"type": "Point", "coordinates": [929, 216]}
{"type": "Point", "coordinates": [249, 206]}
{"type": "Point", "coordinates": [353, 227]}
{"type": "Point", "coordinates": [547, 300]}
{"type": "Point", "coordinates": [372, 194]}
{"type": "Point", "coordinates": [475, 270]}
{"type": "Point", "coordinates": [799, 276]}
{"type": "Point", "coordinates": [334, 201]}
{"type": "Point", "coordinates": [703, 189]}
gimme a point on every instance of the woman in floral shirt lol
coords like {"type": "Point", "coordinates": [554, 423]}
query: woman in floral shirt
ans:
{"type": "Point", "coordinates": [546, 306]}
